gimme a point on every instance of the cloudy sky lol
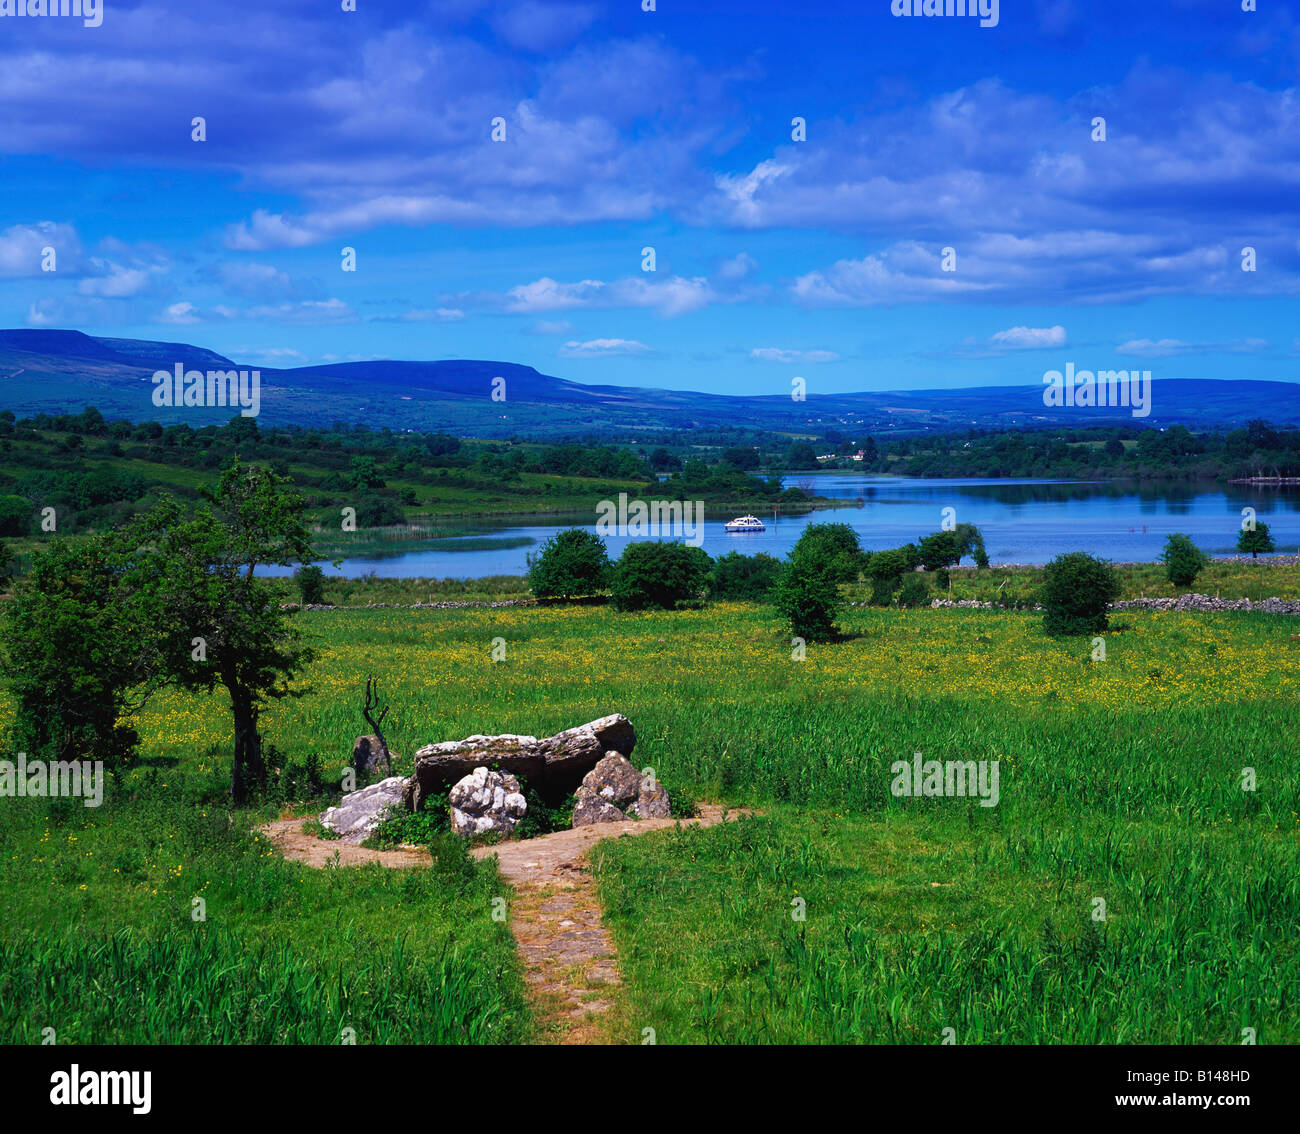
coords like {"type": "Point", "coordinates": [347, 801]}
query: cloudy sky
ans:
{"type": "Point", "coordinates": [625, 130]}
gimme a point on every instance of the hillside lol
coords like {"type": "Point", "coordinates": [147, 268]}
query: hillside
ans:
{"type": "Point", "coordinates": [58, 371]}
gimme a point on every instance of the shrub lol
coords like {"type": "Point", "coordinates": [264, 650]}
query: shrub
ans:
{"type": "Point", "coordinates": [398, 826]}
{"type": "Point", "coordinates": [311, 583]}
{"type": "Point", "coordinates": [883, 588]}
{"type": "Point", "coordinates": [914, 592]}
{"type": "Point", "coordinates": [1076, 591]}
{"type": "Point", "coordinates": [1183, 560]}
{"type": "Point", "coordinates": [834, 545]}
{"type": "Point", "coordinates": [658, 575]}
{"type": "Point", "coordinates": [378, 512]}
{"type": "Point", "coordinates": [571, 563]}
{"type": "Point", "coordinates": [744, 578]}
{"type": "Point", "coordinates": [1256, 540]}
{"type": "Point", "coordinates": [807, 593]}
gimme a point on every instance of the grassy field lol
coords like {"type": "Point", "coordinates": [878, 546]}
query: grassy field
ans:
{"type": "Point", "coordinates": [1120, 780]}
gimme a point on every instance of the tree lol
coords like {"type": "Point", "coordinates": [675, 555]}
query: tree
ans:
{"type": "Point", "coordinates": [1255, 540]}
{"type": "Point", "coordinates": [744, 578]}
{"type": "Point", "coordinates": [16, 515]}
{"type": "Point", "coordinates": [363, 474]}
{"type": "Point", "coordinates": [1077, 590]}
{"type": "Point", "coordinates": [800, 455]}
{"type": "Point", "coordinates": [1114, 447]}
{"type": "Point", "coordinates": [741, 457]}
{"type": "Point", "coordinates": [311, 584]}
{"type": "Point", "coordinates": [80, 654]}
{"type": "Point", "coordinates": [225, 626]}
{"type": "Point", "coordinates": [658, 575]}
{"type": "Point", "coordinates": [834, 545]}
{"type": "Point", "coordinates": [807, 594]}
{"type": "Point", "coordinates": [1183, 560]}
{"type": "Point", "coordinates": [572, 563]}
{"type": "Point", "coordinates": [379, 512]}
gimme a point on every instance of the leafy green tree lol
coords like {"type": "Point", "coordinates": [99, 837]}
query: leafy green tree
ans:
{"type": "Point", "coordinates": [800, 455]}
{"type": "Point", "coordinates": [81, 652]}
{"type": "Point", "coordinates": [571, 564]}
{"type": "Point", "coordinates": [658, 575]}
{"type": "Point", "coordinates": [363, 474]}
{"type": "Point", "coordinates": [15, 516]}
{"type": "Point", "coordinates": [1183, 560]}
{"type": "Point", "coordinates": [1076, 592]}
{"type": "Point", "coordinates": [1255, 540]}
{"type": "Point", "coordinates": [226, 626]}
{"type": "Point", "coordinates": [744, 578]}
{"type": "Point", "coordinates": [311, 584]}
{"type": "Point", "coordinates": [834, 545]}
{"type": "Point", "coordinates": [807, 594]}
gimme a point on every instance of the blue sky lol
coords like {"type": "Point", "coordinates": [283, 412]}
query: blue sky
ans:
{"type": "Point", "coordinates": [671, 129]}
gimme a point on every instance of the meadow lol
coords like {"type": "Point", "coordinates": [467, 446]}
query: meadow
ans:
{"type": "Point", "coordinates": [1121, 780]}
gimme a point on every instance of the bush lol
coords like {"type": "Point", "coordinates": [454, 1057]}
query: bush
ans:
{"type": "Point", "coordinates": [1183, 560]}
{"type": "Point", "coordinates": [379, 512]}
{"type": "Point", "coordinates": [398, 826]}
{"type": "Point", "coordinates": [834, 545]}
{"type": "Point", "coordinates": [572, 563]}
{"type": "Point", "coordinates": [744, 578]}
{"type": "Point", "coordinates": [883, 588]}
{"type": "Point", "coordinates": [915, 592]}
{"type": "Point", "coordinates": [658, 575]}
{"type": "Point", "coordinates": [807, 593]}
{"type": "Point", "coordinates": [1076, 591]}
{"type": "Point", "coordinates": [1255, 540]}
{"type": "Point", "coordinates": [311, 583]}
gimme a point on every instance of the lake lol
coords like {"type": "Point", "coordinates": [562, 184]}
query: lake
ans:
{"type": "Point", "coordinates": [1023, 521]}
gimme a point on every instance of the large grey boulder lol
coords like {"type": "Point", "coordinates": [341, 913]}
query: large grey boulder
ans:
{"type": "Point", "coordinates": [484, 802]}
{"type": "Point", "coordinates": [614, 791]}
{"type": "Point", "coordinates": [358, 814]}
{"type": "Point", "coordinates": [553, 765]}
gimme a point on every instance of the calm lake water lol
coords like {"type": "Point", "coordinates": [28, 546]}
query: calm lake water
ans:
{"type": "Point", "coordinates": [1023, 521]}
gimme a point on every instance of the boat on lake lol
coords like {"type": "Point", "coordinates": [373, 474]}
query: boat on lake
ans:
{"type": "Point", "coordinates": [746, 524]}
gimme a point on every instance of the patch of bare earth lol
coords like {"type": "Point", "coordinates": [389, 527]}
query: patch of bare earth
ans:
{"type": "Point", "coordinates": [568, 958]}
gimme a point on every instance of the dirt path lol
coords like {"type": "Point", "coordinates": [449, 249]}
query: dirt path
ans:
{"type": "Point", "coordinates": [568, 958]}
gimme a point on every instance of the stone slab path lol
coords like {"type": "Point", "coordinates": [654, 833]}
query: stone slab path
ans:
{"type": "Point", "coordinates": [568, 957]}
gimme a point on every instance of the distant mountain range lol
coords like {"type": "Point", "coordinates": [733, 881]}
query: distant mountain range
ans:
{"type": "Point", "coordinates": [55, 371]}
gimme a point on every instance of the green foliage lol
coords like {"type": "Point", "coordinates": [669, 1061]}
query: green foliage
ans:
{"type": "Point", "coordinates": [1256, 540]}
{"type": "Point", "coordinates": [1076, 591]}
{"type": "Point", "coordinates": [311, 584]}
{"type": "Point", "coordinates": [399, 827]}
{"type": "Point", "coordinates": [572, 563]}
{"type": "Point", "coordinates": [833, 546]}
{"type": "Point", "coordinates": [16, 515]}
{"type": "Point", "coordinates": [540, 818]}
{"type": "Point", "coordinates": [658, 575]}
{"type": "Point", "coordinates": [379, 512]}
{"type": "Point", "coordinates": [914, 592]}
{"type": "Point", "coordinates": [1183, 560]}
{"type": "Point", "coordinates": [196, 578]}
{"type": "Point", "coordinates": [744, 578]}
{"type": "Point", "coordinates": [807, 595]}
{"type": "Point", "coordinates": [883, 589]}
{"type": "Point", "coordinates": [78, 654]}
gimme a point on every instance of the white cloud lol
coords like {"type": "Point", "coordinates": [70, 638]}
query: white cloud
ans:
{"type": "Point", "coordinates": [438, 315]}
{"type": "Point", "coordinates": [602, 348]}
{"type": "Point", "coordinates": [21, 248]}
{"type": "Point", "coordinates": [776, 354]}
{"type": "Point", "coordinates": [306, 312]}
{"type": "Point", "coordinates": [1030, 338]}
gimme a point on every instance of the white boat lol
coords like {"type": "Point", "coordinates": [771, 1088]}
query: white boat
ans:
{"type": "Point", "coordinates": [746, 524]}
